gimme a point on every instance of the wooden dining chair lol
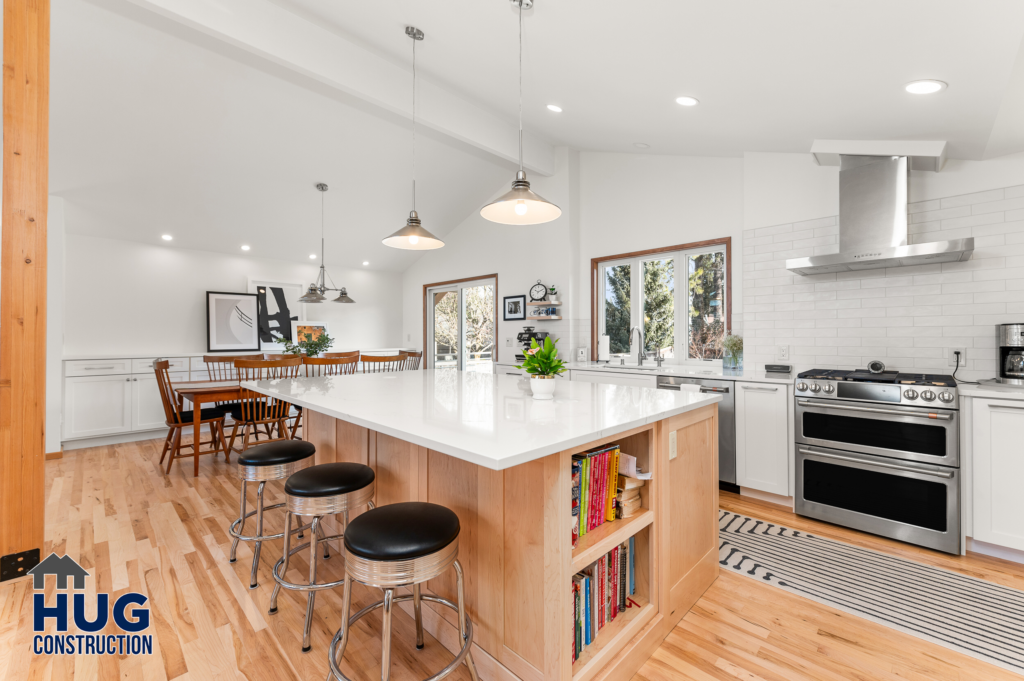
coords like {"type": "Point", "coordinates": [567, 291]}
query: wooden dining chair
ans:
{"type": "Point", "coordinates": [255, 409]}
{"type": "Point", "coordinates": [335, 355]}
{"type": "Point", "coordinates": [280, 356]}
{"type": "Point", "coordinates": [325, 366]}
{"type": "Point", "coordinates": [222, 368]}
{"type": "Point", "coordinates": [413, 363]}
{"type": "Point", "coordinates": [177, 419]}
{"type": "Point", "coordinates": [378, 364]}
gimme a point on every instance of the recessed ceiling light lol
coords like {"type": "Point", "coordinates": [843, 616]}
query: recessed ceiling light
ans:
{"type": "Point", "coordinates": [366, 262]}
{"type": "Point", "coordinates": [245, 248]}
{"type": "Point", "coordinates": [167, 237]}
{"type": "Point", "coordinates": [312, 256]}
{"type": "Point", "coordinates": [555, 108]}
{"type": "Point", "coordinates": [641, 145]}
{"type": "Point", "coordinates": [687, 101]}
{"type": "Point", "coordinates": [925, 87]}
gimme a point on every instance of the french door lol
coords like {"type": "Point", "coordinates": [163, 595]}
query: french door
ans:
{"type": "Point", "coordinates": [460, 320]}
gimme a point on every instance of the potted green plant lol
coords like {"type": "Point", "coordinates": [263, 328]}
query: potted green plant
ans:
{"type": "Point", "coordinates": [543, 365]}
{"type": "Point", "coordinates": [308, 345]}
{"type": "Point", "coordinates": [732, 346]}
{"type": "Point", "coordinates": [552, 294]}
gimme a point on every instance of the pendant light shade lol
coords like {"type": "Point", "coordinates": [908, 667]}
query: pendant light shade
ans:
{"type": "Point", "coordinates": [312, 296]}
{"type": "Point", "coordinates": [520, 206]}
{"type": "Point", "coordinates": [316, 291]}
{"type": "Point", "coordinates": [413, 237]}
{"type": "Point", "coordinates": [343, 297]}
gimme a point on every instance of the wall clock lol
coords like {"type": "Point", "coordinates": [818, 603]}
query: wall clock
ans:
{"type": "Point", "coordinates": [538, 291]}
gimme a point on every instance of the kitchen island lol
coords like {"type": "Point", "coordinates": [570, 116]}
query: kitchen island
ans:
{"type": "Point", "coordinates": [481, 445]}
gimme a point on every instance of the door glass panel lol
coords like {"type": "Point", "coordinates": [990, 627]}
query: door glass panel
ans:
{"type": "Point", "coordinates": [478, 328]}
{"type": "Point", "coordinates": [919, 438]}
{"type": "Point", "coordinates": [883, 495]}
{"type": "Point", "coordinates": [446, 329]}
{"type": "Point", "coordinates": [616, 309]}
{"type": "Point", "coordinates": [706, 300]}
{"type": "Point", "coordinates": [659, 307]}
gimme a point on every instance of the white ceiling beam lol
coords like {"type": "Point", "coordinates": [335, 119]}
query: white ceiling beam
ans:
{"type": "Point", "coordinates": [271, 32]}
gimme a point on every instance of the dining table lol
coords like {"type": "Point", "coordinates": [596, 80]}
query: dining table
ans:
{"type": "Point", "coordinates": [200, 393]}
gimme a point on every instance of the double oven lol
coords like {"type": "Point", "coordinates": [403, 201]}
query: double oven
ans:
{"type": "Point", "coordinates": [880, 457]}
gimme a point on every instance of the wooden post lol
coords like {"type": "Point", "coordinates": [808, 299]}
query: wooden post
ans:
{"type": "Point", "coordinates": [26, 86]}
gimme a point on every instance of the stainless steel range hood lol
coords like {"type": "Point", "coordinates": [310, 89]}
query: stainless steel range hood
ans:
{"type": "Point", "coordinates": [873, 222]}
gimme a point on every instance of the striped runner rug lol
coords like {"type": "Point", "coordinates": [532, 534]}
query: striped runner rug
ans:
{"type": "Point", "coordinates": [972, 616]}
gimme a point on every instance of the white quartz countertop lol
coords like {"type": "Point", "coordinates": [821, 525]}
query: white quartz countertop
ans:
{"type": "Point", "coordinates": [991, 390]}
{"type": "Point", "coordinates": [149, 355]}
{"type": "Point", "coordinates": [487, 419]}
{"type": "Point", "coordinates": [687, 372]}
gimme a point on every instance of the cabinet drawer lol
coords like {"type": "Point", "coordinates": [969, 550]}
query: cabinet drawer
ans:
{"type": "Point", "coordinates": [97, 367]}
{"type": "Point", "coordinates": [145, 366]}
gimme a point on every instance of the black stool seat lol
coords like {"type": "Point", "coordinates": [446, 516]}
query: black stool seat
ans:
{"type": "Point", "coordinates": [276, 453]}
{"type": "Point", "coordinates": [208, 414]}
{"type": "Point", "coordinates": [328, 479]}
{"type": "Point", "coordinates": [404, 531]}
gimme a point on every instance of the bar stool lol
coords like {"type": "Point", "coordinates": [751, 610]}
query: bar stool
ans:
{"type": "Point", "coordinates": [271, 461]}
{"type": "Point", "coordinates": [325, 489]}
{"type": "Point", "coordinates": [402, 545]}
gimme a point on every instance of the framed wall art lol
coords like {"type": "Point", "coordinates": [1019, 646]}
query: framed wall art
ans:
{"type": "Point", "coordinates": [515, 308]}
{"type": "Point", "coordinates": [279, 306]}
{"type": "Point", "coordinates": [231, 322]}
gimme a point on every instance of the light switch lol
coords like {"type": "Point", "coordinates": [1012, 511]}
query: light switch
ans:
{"type": "Point", "coordinates": [672, 445]}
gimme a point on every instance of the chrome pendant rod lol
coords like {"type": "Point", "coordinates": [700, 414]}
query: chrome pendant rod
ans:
{"type": "Point", "coordinates": [520, 85]}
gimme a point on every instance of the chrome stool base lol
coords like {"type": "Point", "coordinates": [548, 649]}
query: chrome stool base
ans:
{"type": "Point", "coordinates": [386, 578]}
{"type": "Point", "coordinates": [318, 507]}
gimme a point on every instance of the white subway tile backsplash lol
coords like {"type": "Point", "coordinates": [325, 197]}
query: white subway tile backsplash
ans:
{"type": "Point", "coordinates": [922, 206]}
{"type": "Point", "coordinates": [976, 197]}
{"type": "Point", "coordinates": [943, 214]}
{"type": "Point", "coordinates": [1014, 192]}
{"type": "Point", "coordinates": [995, 206]}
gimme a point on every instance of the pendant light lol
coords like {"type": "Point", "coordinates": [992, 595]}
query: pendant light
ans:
{"type": "Point", "coordinates": [413, 237]}
{"type": "Point", "coordinates": [316, 291]}
{"type": "Point", "coordinates": [520, 206]}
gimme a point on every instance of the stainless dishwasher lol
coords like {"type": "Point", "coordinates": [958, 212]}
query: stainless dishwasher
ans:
{"type": "Point", "coordinates": [726, 419]}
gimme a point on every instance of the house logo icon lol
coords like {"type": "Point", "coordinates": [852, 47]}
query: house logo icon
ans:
{"type": "Point", "coordinates": [61, 566]}
{"type": "Point", "coordinates": [90, 636]}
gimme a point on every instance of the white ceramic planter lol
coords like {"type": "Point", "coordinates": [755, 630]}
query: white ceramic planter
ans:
{"type": "Point", "coordinates": [543, 387]}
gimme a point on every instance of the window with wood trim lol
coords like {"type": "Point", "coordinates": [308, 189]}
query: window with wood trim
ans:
{"type": "Point", "coordinates": [679, 296]}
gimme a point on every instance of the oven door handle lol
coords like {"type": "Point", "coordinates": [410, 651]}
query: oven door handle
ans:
{"type": "Point", "coordinates": [935, 474]}
{"type": "Point", "coordinates": [874, 410]}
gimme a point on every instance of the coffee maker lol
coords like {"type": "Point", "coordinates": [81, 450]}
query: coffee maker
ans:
{"type": "Point", "coordinates": [526, 336]}
{"type": "Point", "coordinates": [1010, 341]}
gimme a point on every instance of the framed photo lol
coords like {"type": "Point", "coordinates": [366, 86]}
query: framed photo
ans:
{"type": "Point", "coordinates": [231, 322]}
{"type": "Point", "coordinates": [313, 329]}
{"type": "Point", "coordinates": [515, 308]}
{"type": "Point", "coordinates": [279, 306]}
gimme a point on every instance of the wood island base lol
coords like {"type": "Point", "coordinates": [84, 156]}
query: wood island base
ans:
{"type": "Point", "coordinates": [516, 542]}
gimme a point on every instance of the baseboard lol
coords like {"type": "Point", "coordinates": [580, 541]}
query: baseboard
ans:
{"type": "Point", "coordinates": [995, 551]}
{"type": "Point", "coordinates": [50, 456]}
{"type": "Point", "coordinates": [767, 496]}
{"type": "Point", "coordinates": [121, 438]}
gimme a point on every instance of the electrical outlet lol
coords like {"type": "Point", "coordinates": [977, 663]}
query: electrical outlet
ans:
{"type": "Point", "coordinates": [581, 354]}
{"type": "Point", "coordinates": [508, 342]}
{"type": "Point", "coordinates": [952, 356]}
{"type": "Point", "coordinates": [783, 353]}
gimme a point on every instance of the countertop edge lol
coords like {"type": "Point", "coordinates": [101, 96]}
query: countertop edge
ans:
{"type": "Point", "coordinates": [473, 457]}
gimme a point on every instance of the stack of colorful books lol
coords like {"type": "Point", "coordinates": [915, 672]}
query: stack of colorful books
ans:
{"type": "Point", "coordinates": [600, 593]}
{"type": "Point", "coordinates": [595, 477]}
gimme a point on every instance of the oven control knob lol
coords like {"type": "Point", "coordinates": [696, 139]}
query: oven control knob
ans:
{"type": "Point", "coordinates": [910, 394]}
{"type": "Point", "coordinates": [829, 388]}
{"type": "Point", "coordinates": [815, 388]}
{"type": "Point", "coordinates": [802, 387]}
{"type": "Point", "coordinates": [946, 397]}
{"type": "Point", "coordinates": [927, 395]}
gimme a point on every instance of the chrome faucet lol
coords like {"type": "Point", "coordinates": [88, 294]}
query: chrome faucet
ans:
{"type": "Point", "coordinates": [658, 358]}
{"type": "Point", "coordinates": [643, 352]}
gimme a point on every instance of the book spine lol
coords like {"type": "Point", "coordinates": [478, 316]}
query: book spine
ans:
{"type": "Point", "coordinates": [587, 615]}
{"type": "Point", "coordinates": [585, 497]}
{"type": "Point", "coordinates": [615, 582]}
{"type": "Point", "coordinates": [622, 576]}
{"type": "Point", "coordinates": [604, 487]}
{"type": "Point", "coordinates": [613, 478]}
{"type": "Point", "coordinates": [575, 621]}
{"type": "Point", "coordinates": [632, 567]}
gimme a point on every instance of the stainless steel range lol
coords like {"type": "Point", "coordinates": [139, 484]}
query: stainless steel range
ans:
{"type": "Point", "coordinates": [878, 451]}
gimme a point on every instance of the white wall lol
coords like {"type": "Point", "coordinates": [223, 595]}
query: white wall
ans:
{"type": "Point", "coordinates": [54, 320]}
{"type": "Point", "coordinates": [518, 255]}
{"type": "Point", "coordinates": [127, 297]}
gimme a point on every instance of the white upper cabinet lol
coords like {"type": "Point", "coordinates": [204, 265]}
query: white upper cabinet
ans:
{"type": "Point", "coordinates": [763, 437]}
{"type": "Point", "coordinates": [998, 451]}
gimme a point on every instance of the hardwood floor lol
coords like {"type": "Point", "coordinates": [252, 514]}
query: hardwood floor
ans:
{"type": "Point", "coordinates": [136, 529]}
{"type": "Point", "coordinates": [741, 629]}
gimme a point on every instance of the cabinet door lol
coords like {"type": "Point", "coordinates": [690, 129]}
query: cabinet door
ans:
{"type": "Point", "coordinates": [762, 437]}
{"type": "Point", "coordinates": [147, 407]}
{"type": "Point", "coordinates": [97, 405]}
{"type": "Point", "coordinates": [998, 469]}
{"type": "Point", "coordinates": [616, 378]}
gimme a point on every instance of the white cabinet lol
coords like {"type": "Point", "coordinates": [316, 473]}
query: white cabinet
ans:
{"type": "Point", "coordinates": [762, 437]}
{"type": "Point", "coordinates": [642, 380]}
{"type": "Point", "coordinates": [142, 366]}
{"type": "Point", "coordinates": [97, 367]}
{"type": "Point", "coordinates": [147, 407]}
{"type": "Point", "coordinates": [998, 468]}
{"type": "Point", "coordinates": [97, 405]}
